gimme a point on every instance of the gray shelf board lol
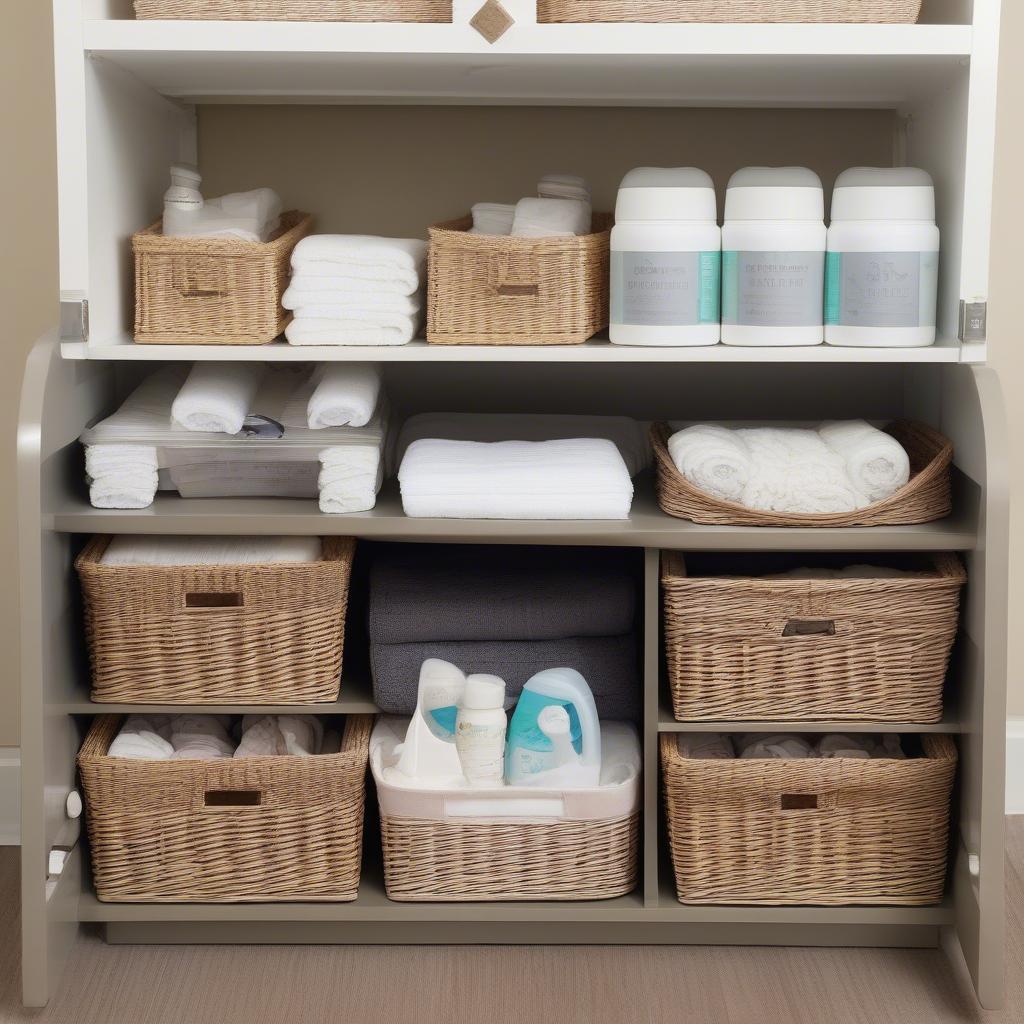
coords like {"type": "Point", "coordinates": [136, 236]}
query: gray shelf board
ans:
{"type": "Point", "coordinates": [648, 526]}
{"type": "Point", "coordinates": [949, 724]}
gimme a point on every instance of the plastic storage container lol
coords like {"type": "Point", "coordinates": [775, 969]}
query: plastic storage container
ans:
{"type": "Point", "coordinates": [666, 250]}
{"type": "Point", "coordinates": [773, 258]}
{"type": "Point", "coordinates": [231, 830]}
{"type": "Point", "coordinates": [514, 842]}
{"type": "Point", "coordinates": [882, 268]}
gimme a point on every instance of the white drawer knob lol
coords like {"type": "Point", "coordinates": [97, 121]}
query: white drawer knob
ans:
{"type": "Point", "coordinates": [73, 804]}
{"type": "Point", "coordinates": [58, 858]}
{"type": "Point", "coordinates": [974, 865]}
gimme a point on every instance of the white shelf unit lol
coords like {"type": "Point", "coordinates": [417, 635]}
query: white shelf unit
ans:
{"type": "Point", "coordinates": [471, 120]}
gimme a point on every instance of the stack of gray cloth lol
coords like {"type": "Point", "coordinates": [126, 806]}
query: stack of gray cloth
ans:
{"type": "Point", "coordinates": [509, 611]}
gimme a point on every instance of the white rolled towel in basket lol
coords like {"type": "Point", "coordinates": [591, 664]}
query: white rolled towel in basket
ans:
{"type": "Point", "coordinates": [713, 458]}
{"type": "Point", "coordinates": [216, 397]}
{"type": "Point", "coordinates": [876, 462]}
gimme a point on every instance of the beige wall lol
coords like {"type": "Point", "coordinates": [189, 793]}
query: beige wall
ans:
{"type": "Point", "coordinates": [29, 279]}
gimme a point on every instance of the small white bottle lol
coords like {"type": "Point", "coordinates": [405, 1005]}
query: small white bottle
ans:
{"type": "Point", "coordinates": [183, 202]}
{"type": "Point", "coordinates": [666, 259]}
{"type": "Point", "coordinates": [882, 267]}
{"type": "Point", "coordinates": [773, 258]}
{"type": "Point", "coordinates": [480, 731]}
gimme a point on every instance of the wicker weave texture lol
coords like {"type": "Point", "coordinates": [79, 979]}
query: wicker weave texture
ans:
{"type": "Point", "coordinates": [169, 634]}
{"type": "Point", "coordinates": [740, 830]}
{"type": "Point", "coordinates": [167, 831]}
{"type": "Point", "coordinates": [297, 10]}
{"type": "Point", "coordinates": [728, 656]}
{"type": "Point", "coordinates": [213, 291]}
{"type": "Point", "coordinates": [501, 860]}
{"type": "Point", "coordinates": [924, 498]}
{"type": "Point", "coordinates": [652, 11]}
{"type": "Point", "coordinates": [500, 290]}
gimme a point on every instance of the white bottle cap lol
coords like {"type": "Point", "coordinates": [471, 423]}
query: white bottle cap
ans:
{"type": "Point", "coordinates": [667, 193]}
{"type": "Point", "coordinates": [483, 693]}
{"type": "Point", "coordinates": [884, 193]}
{"type": "Point", "coordinates": [775, 193]}
{"type": "Point", "coordinates": [553, 720]}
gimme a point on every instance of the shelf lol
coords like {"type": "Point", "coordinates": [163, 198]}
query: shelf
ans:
{"type": "Point", "coordinates": [949, 724]}
{"type": "Point", "coordinates": [729, 65]}
{"type": "Point", "coordinates": [648, 526]}
{"type": "Point", "coordinates": [597, 351]}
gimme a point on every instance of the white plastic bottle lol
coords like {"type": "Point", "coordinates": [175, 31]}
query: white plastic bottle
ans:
{"type": "Point", "coordinates": [480, 731]}
{"type": "Point", "coordinates": [773, 258]}
{"type": "Point", "coordinates": [666, 259]}
{"type": "Point", "coordinates": [882, 267]}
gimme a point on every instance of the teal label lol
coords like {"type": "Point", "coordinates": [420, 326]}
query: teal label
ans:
{"type": "Point", "coordinates": [665, 289]}
{"type": "Point", "coordinates": [773, 289]}
{"type": "Point", "coordinates": [881, 289]}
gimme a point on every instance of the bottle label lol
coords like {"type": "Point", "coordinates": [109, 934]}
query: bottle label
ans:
{"type": "Point", "coordinates": [773, 289]}
{"type": "Point", "coordinates": [881, 289]}
{"type": "Point", "coordinates": [481, 750]}
{"type": "Point", "coordinates": [665, 289]}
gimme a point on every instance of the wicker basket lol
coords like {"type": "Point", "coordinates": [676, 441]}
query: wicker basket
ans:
{"type": "Point", "coordinates": [256, 829]}
{"type": "Point", "coordinates": [825, 831]}
{"type": "Point", "coordinates": [652, 11]}
{"type": "Point", "coordinates": [500, 290]}
{"type": "Point", "coordinates": [297, 10]}
{"type": "Point", "coordinates": [924, 498]}
{"type": "Point", "coordinates": [213, 291]}
{"type": "Point", "coordinates": [742, 647]}
{"type": "Point", "coordinates": [216, 634]}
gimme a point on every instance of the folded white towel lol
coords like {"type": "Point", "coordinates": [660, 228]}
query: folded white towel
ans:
{"type": "Point", "coordinates": [253, 216]}
{"type": "Point", "coordinates": [200, 738]}
{"type": "Point", "coordinates": [261, 737]}
{"type": "Point", "coordinates": [121, 475]}
{"type": "Point", "coordinates": [836, 745]}
{"type": "Point", "coordinates": [125, 459]}
{"type": "Point", "coordinates": [303, 734]}
{"type": "Point", "coordinates": [326, 277]}
{"type": "Point", "coordinates": [493, 218]}
{"type": "Point", "coordinates": [364, 257]}
{"type": "Point", "coordinates": [345, 394]}
{"type": "Point", "coordinates": [142, 737]}
{"type": "Point", "coordinates": [216, 397]}
{"type": "Point", "coordinates": [340, 306]}
{"type": "Point", "coordinates": [371, 328]}
{"type": "Point", "coordinates": [713, 458]}
{"type": "Point", "coordinates": [705, 746]}
{"type": "Point", "coordinates": [875, 461]}
{"type": "Point", "coordinates": [580, 478]}
{"type": "Point", "coordinates": [759, 747]}
{"type": "Point", "coordinates": [350, 478]}
{"type": "Point", "coordinates": [130, 549]}
{"type": "Point", "coordinates": [550, 218]}
{"type": "Point", "coordinates": [564, 186]}
{"type": "Point", "coordinates": [627, 434]}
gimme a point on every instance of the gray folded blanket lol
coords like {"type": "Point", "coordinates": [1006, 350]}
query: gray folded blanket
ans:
{"type": "Point", "coordinates": [424, 593]}
{"type": "Point", "coordinates": [611, 665]}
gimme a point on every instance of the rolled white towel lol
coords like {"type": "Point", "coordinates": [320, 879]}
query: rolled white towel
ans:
{"type": "Point", "coordinates": [706, 746]}
{"type": "Point", "coordinates": [551, 218]}
{"type": "Point", "coordinates": [200, 738]}
{"type": "Point", "coordinates": [493, 218]}
{"type": "Point", "coordinates": [876, 462]}
{"type": "Point", "coordinates": [364, 257]}
{"type": "Point", "coordinates": [328, 304]}
{"type": "Point", "coordinates": [837, 745]}
{"type": "Point", "coordinates": [261, 737]}
{"type": "Point", "coordinates": [350, 478]}
{"type": "Point", "coordinates": [346, 394]}
{"type": "Point", "coordinates": [303, 734]}
{"type": "Point", "coordinates": [564, 186]}
{"type": "Point", "coordinates": [371, 328]}
{"type": "Point", "coordinates": [216, 397]}
{"type": "Point", "coordinates": [714, 459]}
{"type": "Point", "coordinates": [140, 737]}
{"type": "Point", "coordinates": [755, 746]}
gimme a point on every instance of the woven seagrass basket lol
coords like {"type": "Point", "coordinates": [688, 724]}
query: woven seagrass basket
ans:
{"type": "Point", "coordinates": [655, 11]}
{"type": "Point", "coordinates": [297, 10]}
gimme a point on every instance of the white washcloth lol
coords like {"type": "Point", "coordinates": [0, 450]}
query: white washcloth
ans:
{"type": "Point", "coordinates": [200, 738]}
{"type": "Point", "coordinates": [345, 395]}
{"type": "Point", "coordinates": [550, 218]}
{"type": "Point", "coordinates": [564, 186]}
{"type": "Point", "coordinates": [336, 306]}
{"type": "Point", "coordinates": [705, 746]}
{"type": "Point", "coordinates": [371, 328]}
{"type": "Point", "coordinates": [119, 490]}
{"type": "Point", "coordinates": [303, 734]}
{"type": "Point", "coordinates": [261, 737]}
{"type": "Point", "coordinates": [216, 397]}
{"type": "Point", "coordinates": [627, 434]}
{"type": "Point", "coordinates": [889, 746]}
{"type": "Point", "coordinates": [350, 478]}
{"type": "Point", "coordinates": [324, 277]}
{"type": "Point", "coordinates": [130, 549]}
{"type": "Point", "coordinates": [759, 747]}
{"type": "Point", "coordinates": [876, 462]}
{"type": "Point", "coordinates": [493, 218]}
{"type": "Point", "coordinates": [580, 478]}
{"type": "Point", "coordinates": [713, 458]}
{"type": "Point", "coordinates": [366, 258]}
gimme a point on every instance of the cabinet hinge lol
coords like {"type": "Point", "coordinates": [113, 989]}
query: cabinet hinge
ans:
{"type": "Point", "coordinates": [74, 319]}
{"type": "Point", "coordinates": [973, 322]}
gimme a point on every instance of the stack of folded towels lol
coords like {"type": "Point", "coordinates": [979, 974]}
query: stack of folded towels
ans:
{"type": "Point", "coordinates": [561, 209]}
{"type": "Point", "coordinates": [509, 612]}
{"type": "Point", "coordinates": [495, 466]}
{"type": "Point", "coordinates": [712, 746]}
{"type": "Point", "coordinates": [212, 737]}
{"type": "Point", "coordinates": [838, 467]}
{"type": "Point", "coordinates": [356, 290]}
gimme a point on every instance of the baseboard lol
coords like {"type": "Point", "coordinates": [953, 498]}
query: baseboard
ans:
{"type": "Point", "coordinates": [10, 789]}
{"type": "Point", "coordinates": [1015, 765]}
